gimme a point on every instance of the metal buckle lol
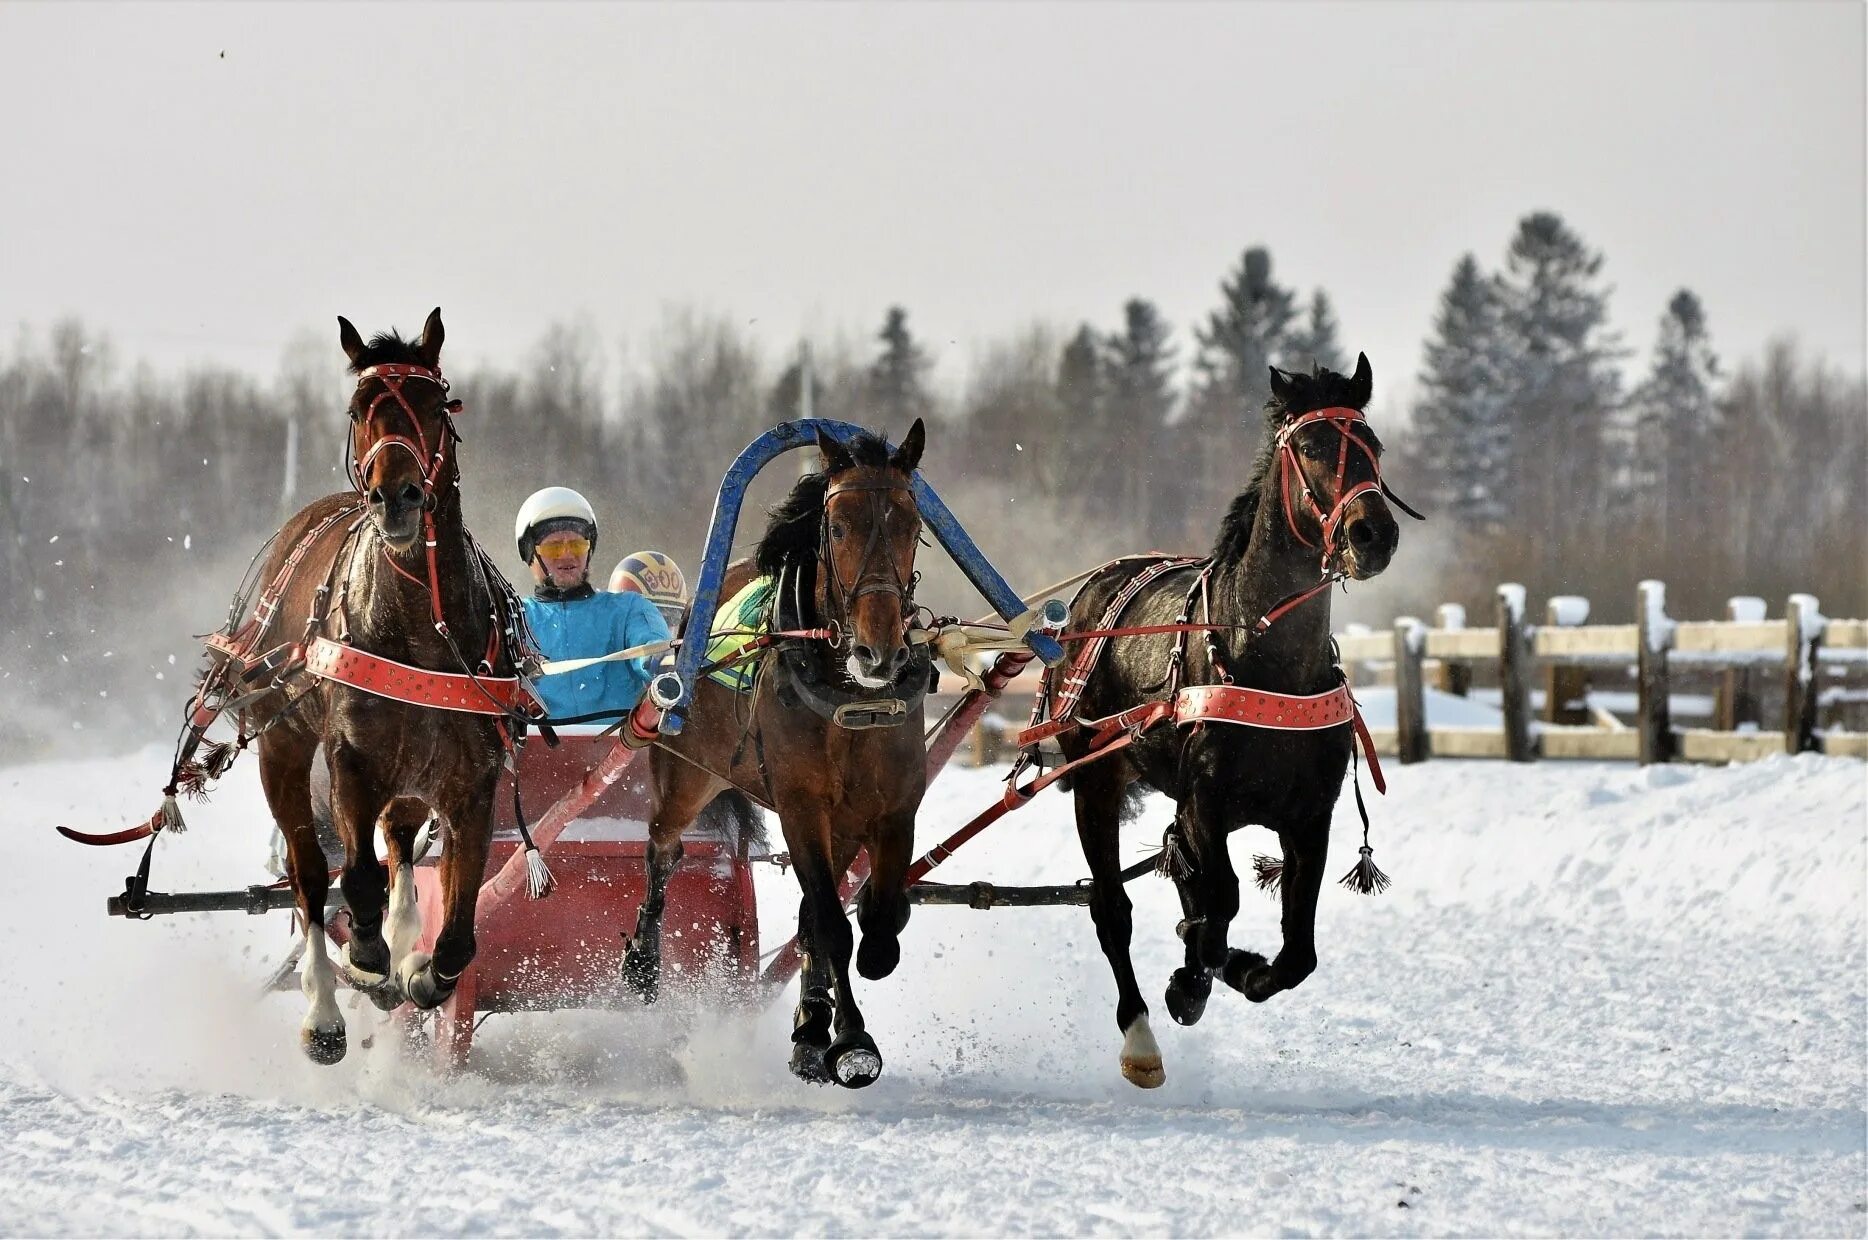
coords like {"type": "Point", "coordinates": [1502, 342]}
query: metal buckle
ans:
{"type": "Point", "coordinates": [876, 713]}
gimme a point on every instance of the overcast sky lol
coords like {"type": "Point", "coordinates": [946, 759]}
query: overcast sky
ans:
{"type": "Point", "coordinates": [205, 182]}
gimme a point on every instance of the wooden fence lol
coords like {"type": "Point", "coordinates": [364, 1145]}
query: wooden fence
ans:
{"type": "Point", "coordinates": [1565, 653]}
{"type": "Point", "coordinates": [1747, 657]}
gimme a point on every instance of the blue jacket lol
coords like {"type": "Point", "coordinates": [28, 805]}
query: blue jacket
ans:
{"type": "Point", "coordinates": [585, 628]}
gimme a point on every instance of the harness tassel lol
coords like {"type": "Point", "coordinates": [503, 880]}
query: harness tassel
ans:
{"type": "Point", "coordinates": [538, 879]}
{"type": "Point", "coordinates": [1364, 878]}
{"type": "Point", "coordinates": [1269, 873]}
{"type": "Point", "coordinates": [169, 817]}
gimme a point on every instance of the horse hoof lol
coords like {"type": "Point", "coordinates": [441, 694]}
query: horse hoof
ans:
{"type": "Point", "coordinates": [807, 1063]}
{"type": "Point", "coordinates": [419, 982]}
{"type": "Point", "coordinates": [1187, 992]}
{"type": "Point", "coordinates": [877, 957]}
{"type": "Point", "coordinates": [853, 1060]}
{"type": "Point", "coordinates": [1141, 1057]}
{"type": "Point", "coordinates": [323, 1046]}
{"type": "Point", "coordinates": [1248, 973]}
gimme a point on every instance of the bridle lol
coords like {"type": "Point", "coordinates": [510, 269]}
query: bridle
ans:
{"type": "Point", "coordinates": [1330, 523]}
{"type": "Point", "coordinates": [392, 376]}
{"type": "Point", "coordinates": [887, 580]}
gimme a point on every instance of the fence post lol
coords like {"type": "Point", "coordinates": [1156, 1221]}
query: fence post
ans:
{"type": "Point", "coordinates": [1514, 657]}
{"type": "Point", "coordinates": [1455, 674]}
{"type": "Point", "coordinates": [1735, 700]}
{"type": "Point", "coordinates": [1803, 620]}
{"type": "Point", "coordinates": [1410, 698]}
{"type": "Point", "coordinates": [1566, 686]}
{"type": "Point", "coordinates": [1654, 637]}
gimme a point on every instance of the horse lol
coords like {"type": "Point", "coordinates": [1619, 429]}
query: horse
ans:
{"type": "Point", "coordinates": [830, 738]}
{"type": "Point", "coordinates": [384, 586]}
{"type": "Point", "coordinates": [1315, 500]}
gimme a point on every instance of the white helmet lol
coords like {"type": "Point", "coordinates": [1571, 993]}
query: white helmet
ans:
{"type": "Point", "coordinates": [556, 508]}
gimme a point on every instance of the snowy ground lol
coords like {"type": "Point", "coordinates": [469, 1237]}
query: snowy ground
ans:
{"type": "Point", "coordinates": [1599, 999]}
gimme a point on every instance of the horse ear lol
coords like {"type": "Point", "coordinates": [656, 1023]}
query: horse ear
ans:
{"type": "Point", "coordinates": [908, 456]}
{"type": "Point", "coordinates": [1280, 386]}
{"type": "Point", "coordinates": [429, 346]}
{"type": "Point", "coordinates": [837, 458]}
{"type": "Point", "coordinates": [348, 338]}
{"type": "Point", "coordinates": [1362, 383]}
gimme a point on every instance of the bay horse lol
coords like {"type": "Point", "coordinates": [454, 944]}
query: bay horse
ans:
{"type": "Point", "coordinates": [830, 738]}
{"type": "Point", "coordinates": [1315, 501]}
{"type": "Point", "coordinates": [385, 578]}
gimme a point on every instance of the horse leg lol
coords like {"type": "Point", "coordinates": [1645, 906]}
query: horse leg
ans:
{"type": "Point", "coordinates": [811, 1019]}
{"type": "Point", "coordinates": [285, 775]}
{"type": "Point", "coordinates": [400, 820]}
{"type": "Point", "coordinates": [853, 1059]}
{"type": "Point", "coordinates": [1191, 984]}
{"type": "Point", "coordinates": [356, 803]}
{"type": "Point", "coordinates": [1306, 851]}
{"type": "Point", "coordinates": [1098, 792]}
{"type": "Point", "coordinates": [882, 909]}
{"type": "Point", "coordinates": [682, 791]}
{"type": "Point", "coordinates": [429, 980]}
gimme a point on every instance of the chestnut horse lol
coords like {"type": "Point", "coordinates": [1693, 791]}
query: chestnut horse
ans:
{"type": "Point", "coordinates": [1315, 500]}
{"type": "Point", "coordinates": [391, 571]}
{"type": "Point", "coordinates": [831, 738]}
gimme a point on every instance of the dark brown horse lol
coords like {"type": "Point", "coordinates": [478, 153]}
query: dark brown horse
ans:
{"type": "Point", "coordinates": [1314, 501]}
{"type": "Point", "coordinates": [841, 553]}
{"type": "Point", "coordinates": [365, 563]}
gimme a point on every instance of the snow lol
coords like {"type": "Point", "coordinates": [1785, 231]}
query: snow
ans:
{"type": "Point", "coordinates": [1655, 626]}
{"type": "Point", "coordinates": [1599, 999]}
{"type": "Point", "coordinates": [1512, 595]}
{"type": "Point", "coordinates": [1568, 610]}
{"type": "Point", "coordinates": [1746, 609]}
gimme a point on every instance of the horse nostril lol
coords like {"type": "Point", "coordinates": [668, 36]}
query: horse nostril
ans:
{"type": "Point", "coordinates": [376, 497]}
{"type": "Point", "coordinates": [865, 657]}
{"type": "Point", "coordinates": [1361, 535]}
{"type": "Point", "coordinates": [901, 657]}
{"type": "Point", "coordinates": [411, 494]}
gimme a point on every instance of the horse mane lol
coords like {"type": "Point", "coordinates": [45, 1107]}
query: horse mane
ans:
{"type": "Point", "coordinates": [1320, 389]}
{"type": "Point", "coordinates": [792, 533]}
{"type": "Point", "coordinates": [386, 348]}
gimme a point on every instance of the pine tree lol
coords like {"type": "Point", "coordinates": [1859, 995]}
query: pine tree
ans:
{"type": "Point", "coordinates": [1240, 342]}
{"type": "Point", "coordinates": [1675, 412]}
{"type": "Point", "coordinates": [1238, 345]}
{"type": "Point", "coordinates": [1315, 341]}
{"type": "Point", "coordinates": [1564, 385]}
{"type": "Point", "coordinates": [895, 379]}
{"type": "Point", "coordinates": [1460, 417]}
{"type": "Point", "coordinates": [1139, 365]}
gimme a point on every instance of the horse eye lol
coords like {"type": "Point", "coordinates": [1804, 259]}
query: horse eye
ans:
{"type": "Point", "coordinates": [1313, 450]}
{"type": "Point", "coordinates": [836, 531]}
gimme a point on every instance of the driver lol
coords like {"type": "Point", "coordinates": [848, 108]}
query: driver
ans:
{"type": "Point", "coordinates": [556, 531]}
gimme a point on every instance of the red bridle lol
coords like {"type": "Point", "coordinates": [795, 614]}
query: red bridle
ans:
{"type": "Point", "coordinates": [1344, 420]}
{"type": "Point", "coordinates": [392, 376]}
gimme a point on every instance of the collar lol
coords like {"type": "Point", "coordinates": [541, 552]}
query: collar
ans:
{"type": "Point", "coordinates": [546, 592]}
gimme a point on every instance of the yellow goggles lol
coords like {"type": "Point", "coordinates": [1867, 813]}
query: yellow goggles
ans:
{"type": "Point", "coordinates": [560, 546]}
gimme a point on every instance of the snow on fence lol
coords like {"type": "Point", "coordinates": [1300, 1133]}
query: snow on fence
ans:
{"type": "Point", "coordinates": [1564, 653]}
{"type": "Point", "coordinates": [1555, 664]}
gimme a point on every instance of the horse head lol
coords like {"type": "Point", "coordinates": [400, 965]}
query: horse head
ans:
{"type": "Point", "coordinates": [1328, 464]}
{"type": "Point", "coordinates": [402, 429]}
{"type": "Point", "coordinates": [866, 553]}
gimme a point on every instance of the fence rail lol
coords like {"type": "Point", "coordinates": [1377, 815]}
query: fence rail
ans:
{"type": "Point", "coordinates": [1565, 653]}
{"type": "Point", "coordinates": [1564, 657]}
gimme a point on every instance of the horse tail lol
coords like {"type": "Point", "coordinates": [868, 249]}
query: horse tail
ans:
{"type": "Point", "coordinates": [732, 816]}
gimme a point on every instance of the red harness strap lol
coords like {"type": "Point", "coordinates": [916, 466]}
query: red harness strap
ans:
{"type": "Point", "coordinates": [416, 686]}
{"type": "Point", "coordinates": [1064, 709]}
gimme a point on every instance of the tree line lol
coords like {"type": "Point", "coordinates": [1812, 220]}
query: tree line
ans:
{"type": "Point", "coordinates": [131, 500]}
